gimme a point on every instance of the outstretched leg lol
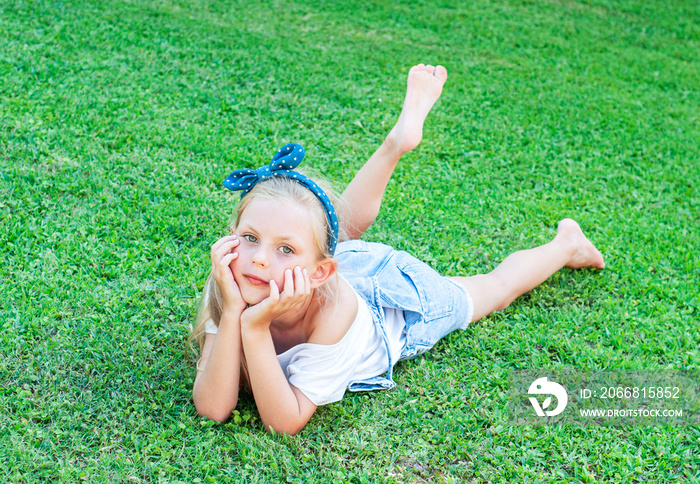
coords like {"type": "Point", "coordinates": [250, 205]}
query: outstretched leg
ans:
{"type": "Point", "coordinates": [365, 191]}
{"type": "Point", "coordinates": [524, 270]}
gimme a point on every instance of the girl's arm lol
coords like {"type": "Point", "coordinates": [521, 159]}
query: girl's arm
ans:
{"type": "Point", "coordinates": [215, 391]}
{"type": "Point", "coordinates": [283, 408]}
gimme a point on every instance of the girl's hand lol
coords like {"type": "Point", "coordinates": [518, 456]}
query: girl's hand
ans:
{"type": "Point", "coordinates": [222, 256]}
{"type": "Point", "coordinates": [295, 293]}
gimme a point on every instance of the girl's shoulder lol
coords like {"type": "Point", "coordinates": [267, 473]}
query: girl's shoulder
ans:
{"type": "Point", "coordinates": [334, 319]}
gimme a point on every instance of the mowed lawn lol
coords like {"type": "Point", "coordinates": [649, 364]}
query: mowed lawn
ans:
{"type": "Point", "coordinates": [120, 119]}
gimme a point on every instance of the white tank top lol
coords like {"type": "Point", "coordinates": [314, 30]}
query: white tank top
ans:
{"type": "Point", "coordinates": [323, 372]}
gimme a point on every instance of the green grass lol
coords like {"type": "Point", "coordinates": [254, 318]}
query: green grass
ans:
{"type": "Point", "coordinates": [118, 121]}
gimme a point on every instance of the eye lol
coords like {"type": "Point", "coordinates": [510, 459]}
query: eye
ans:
{"type": "Point", "coordinates": [250, 238]}
{"type": "Point", "coordinates": [285, 249]}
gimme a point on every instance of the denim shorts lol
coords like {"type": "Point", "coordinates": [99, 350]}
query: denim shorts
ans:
{"type": "Point", "coordinates": [433, 305]}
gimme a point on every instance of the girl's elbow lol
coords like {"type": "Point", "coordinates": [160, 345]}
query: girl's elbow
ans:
{"type": "Point", "coordinates": [288, 428]}
{"type": "Point", "coordinates": [214, 414]}
{"type": "Point", "coordinates": [218, 413]}
{"type": "Point", "coordinates": [282, 430]}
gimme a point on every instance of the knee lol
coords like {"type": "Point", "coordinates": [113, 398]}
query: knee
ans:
{"type": "Point", "coordinates": [502, 291]}
{"type": "Point", "coordinates": [489, 292]}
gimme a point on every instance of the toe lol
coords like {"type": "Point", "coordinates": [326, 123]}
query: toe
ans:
{"type": "Point", "coordinates": [441, 73]}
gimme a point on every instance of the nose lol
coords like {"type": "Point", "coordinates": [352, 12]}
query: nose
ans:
{"type": "Point", "coordinates": [260, 257]}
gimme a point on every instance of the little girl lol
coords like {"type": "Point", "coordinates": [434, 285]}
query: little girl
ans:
{"type": "Point", "coordinates": [302, 310]}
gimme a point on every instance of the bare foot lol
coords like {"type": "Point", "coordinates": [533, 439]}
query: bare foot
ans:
{"type": "Point", "coordinates": [583, 252]}
{"type": "Point", "coordinates": [424, 87]}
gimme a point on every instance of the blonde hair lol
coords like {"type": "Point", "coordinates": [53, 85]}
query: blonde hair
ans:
{"type": "Point", "coordinates": [281, 189]}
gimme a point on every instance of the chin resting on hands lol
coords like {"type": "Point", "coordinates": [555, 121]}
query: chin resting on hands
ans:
{"type": "Point", "coordinates": [295, 293]}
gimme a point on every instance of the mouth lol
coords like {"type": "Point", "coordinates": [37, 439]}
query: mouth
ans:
{"type": "Point", "coordinates": [256, 281]}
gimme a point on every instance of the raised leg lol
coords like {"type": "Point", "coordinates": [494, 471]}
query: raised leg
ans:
{"type": "Point", "coordinates": [522, 271]}
{"type": "Point", "coordinates": [364, 193]}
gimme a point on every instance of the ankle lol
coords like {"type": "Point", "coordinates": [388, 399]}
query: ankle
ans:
{"type": "Point", "coordinates": [392, 145]}
{"type": "Point", "coordinates": [566, 245]}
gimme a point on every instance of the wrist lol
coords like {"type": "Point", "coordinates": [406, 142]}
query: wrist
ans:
{"type": "Point", "coordinates": [254, 336]}
{"type": "Point", "coordinates": [235, 305]}
{"type": "Point", "coordinates": [254, 326]}
{"type": "Point", "coordinates": [230, 316]}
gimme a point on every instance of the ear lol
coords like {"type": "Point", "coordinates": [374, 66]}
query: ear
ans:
{"type": "Point", "coordinates": [324, 270]}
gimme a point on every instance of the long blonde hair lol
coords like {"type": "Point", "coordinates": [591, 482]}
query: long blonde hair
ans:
{"type": "Point", "coordinates": [281, 189]}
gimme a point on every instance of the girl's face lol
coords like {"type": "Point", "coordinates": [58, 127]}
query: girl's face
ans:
{"type": "Point", "coordinates": [275, 236]}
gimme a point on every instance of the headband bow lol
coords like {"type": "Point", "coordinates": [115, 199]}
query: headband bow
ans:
{"type": "Point", "coordinates": [288, 157]}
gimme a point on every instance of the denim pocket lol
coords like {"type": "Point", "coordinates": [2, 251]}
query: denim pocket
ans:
{"type": "Point", "coordinates": [436, 300]}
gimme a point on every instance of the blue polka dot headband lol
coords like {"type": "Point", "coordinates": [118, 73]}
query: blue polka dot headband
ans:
{"type": "Point", "coordinates": [288, 157]}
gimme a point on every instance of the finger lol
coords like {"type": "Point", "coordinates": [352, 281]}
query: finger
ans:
{"type": "Point", "coordinates": [299, 281]}
{"type": "Point", "coordinates": [307, 282]}
{"type": "Point", "coordinates": [232, 241]}
{"type": "Point", "coordinates": [222, 241]}
{"type": "Point", "coordinates": [225, 246]}
{"type": "Point", "coordinates": [226, 239]}
{"type": "Point", "coordinates": [216, 259]}
{"type": "Point", "coordinates": [274, 291]}
{"type": "Point", "coordinates": [229, 247]}
{"type": "Point", "coordinates": [288, 283]}
{"type": "Point", "coordinates": [224, 264]}
{"type": "Point", "coordinates": [223, 273]}
{"type": "Point", "coordinates": [228, 258]}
